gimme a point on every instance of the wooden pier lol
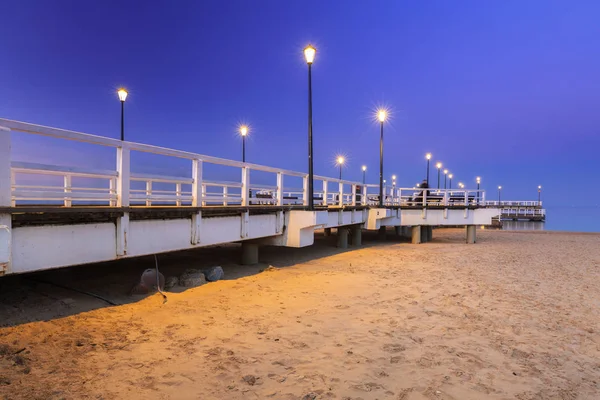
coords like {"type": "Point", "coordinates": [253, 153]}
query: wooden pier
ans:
{"type": "Point", "coordinates": [520, 210]}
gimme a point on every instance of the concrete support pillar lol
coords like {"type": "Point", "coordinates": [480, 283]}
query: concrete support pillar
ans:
{"type": "Point", "coordinates": [398, 230]}
{"type": "Point", "coordinates": [471, 235]}
{"type": "Point", "coordinates": [406, 232]}
{"type": "Point", "coordinates": [416, 234]}
{"type": "Point", "coordinates": [429, 233]}
{"type": "Point", "coordinates": [249, 253]}
{"type": "Point", "coordinates": [327, 232]}
{"type": "Point", "coordinates": [424, 235]}
{"type": "Point", "coordinates": [342, 238]}
{"type": "Point", "coordinates": [356, 236]}
{"type": "Point", "coordinates": [382, 231]}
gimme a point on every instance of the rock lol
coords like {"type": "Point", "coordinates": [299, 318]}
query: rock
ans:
{"type": "Point", "coordinates": [214, 274]}
{"type": "Point", "coordinates": [310, 396]}
{"type": "Point", "coordinates": [192, 278]}
{"type": "Point", "coordinates": [249, 379]}
{"type": "Point", "coordinates": [171, 282]}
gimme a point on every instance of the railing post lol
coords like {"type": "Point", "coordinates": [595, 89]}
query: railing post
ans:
{"type": "Point", "coordinates": [364, 195]}
{"type": "Point", "coordinates": [425, 197]}
{"type": "Point", "coordinates": [279, 189]}
{"type": "Point", "coordinates": [123, 186]}
{"type": "Point", "coordinates": [123, 170]}
{"type": "Point", "coordinates": [225, 194]}
{"type": "Point", "coordinates": [466, 198]}
{"type": "Point", "coordinates": [67, 190]}
{"type": "Point", "coordinates": [5, 201]}
{"type": "Point", "coordinates": [13, 182]}
{"type": "Point", "coordinates": [178, 194]}
{"type": "Point", "coordinates": [325, 190]}
{"type": "Point", "coordinates": [197, 186]}
{"type": "Point", "coordinates": [446, 198]}
{"type": "Point", "coordinates": [148, 193]}
{"type": "Point", "coordinates": [353, 194]}
{"type": "Point", "coordinates": [305, 190]}
{"type": "Point", "coordinates": [245, 185]}
{"type": "Point", "coordinates": [341, 199]}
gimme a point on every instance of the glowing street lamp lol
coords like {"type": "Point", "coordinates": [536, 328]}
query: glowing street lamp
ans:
{"type": "Point", "coordinates": [460, 185]}
{"type": "Point", "coordinates": [445, 178]}
{"type": "Point", "coordinates": [122, 96]}
{"type": "Point", "coordinates": [478, 180]}
{"type": "Point", "coordinates": [340, 161]}
{"type": "Point", "coordinates": [539, 195]}
{"type": "Point", "coordinates": [309, 55]}
{"type": "Point", "coordinates": [381, 116]}
{"type": "Point", "coordinates": [364, 169]}
{"type": "Point", "coordinates": [394, 181]}
{"type": "Point", "coordinates": [244, 133]}
{"type": "Point", "coordinates": [439, 166]}
{"type": "Point", "coordinates": [450, 181]}
{"type": "Point", "coordinates": [428, 157]}
{"type": "Point", "coordinates": [499, 190]}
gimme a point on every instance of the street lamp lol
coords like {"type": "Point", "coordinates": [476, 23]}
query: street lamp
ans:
{"type": "Point", "coordinates": [460, 185]}
{"type": "Point", "coordinates": [244, 133]}
{"type": "Point", "coordinates": [499, 190]}
{"type": "Point", "coordinates": [539, 195]}
{"type": "Point", "coordinates": [340, 161]}
{"type": "Point", "coordinates": [445, 178]}
{"type": "Point", "coordinates": [478, 180]}
{"type": "Point", "coordinates": [450, 181]}
{"type": "Point", "coordinates": [122, 96]}
{"type": "Point", "coordinates": [428, 157]}
{"type": "Point", "coordinates": [439, 166]}
{"type": "Point", "coordinates": [309, 55]}
{"type": "Point", "coordinates": [394, 180]}
{"type": "Point", "coordinates": [381, 116]}
{"type": "Point", "coordinates": [364, 168]}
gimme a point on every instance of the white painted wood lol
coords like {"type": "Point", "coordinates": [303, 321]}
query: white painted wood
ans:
{"type": "Point", "coordinates": [13, 180]}
{"type": "Point", "coordinates": [47, 169]}
{"type": "Point", "coordinates": [52, 246]}
{"type": "Point", "coordinates": [244, 225]}
{"type": "Point", "coordinates": [67, 189]}
{"type": "Point", "coordinates": [161, 178]}
{"type": "Point", "coordinates": [341, 198]}
{"type": "Point", "coordinates": [196, 228]}
{"type": "Point", "coordinates": [280, 189]}
{"type": "Point", "coordinates": [148, 193]}
{"type": "Point", "coordinates": [178, 194]}
{"type": "Point", "coordinates": [198, 188]}
{"type": "Point", "coordinates": [225, 195]}
{"type": "Point", "coordinates": [122, 235]}
{"type": "Point", "coordinates": [156, 236]}
{"type": "Point", "coordinates": [5, 174]}
{"type": "Point", "coordinates": [325, 189]}
{"type": "Point", "coordinates": [353, 195]}
{"type": "Point", "coordinates": [245, 185]}
{"type": "Point", "coordinates": [123, 169]}
{"type": "Point", "coordinates": [305, 190]}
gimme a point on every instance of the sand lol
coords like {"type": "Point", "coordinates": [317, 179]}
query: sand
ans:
{"type": "Point", "coordinates": [515, 316]}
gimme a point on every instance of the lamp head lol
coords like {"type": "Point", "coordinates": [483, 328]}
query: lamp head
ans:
{"type": "Point", "coordinates": [381, 115]}
{"type": "Point", "coordinates": [450, 176]}
{"type": "Point", "coordinates": [428, 156]}
{"type": "Point", "coordinates": [309, 54]}
{"type": "Point", "coordinates": [122, 94]}
{"type": "Point", "coordinates": [364, 167]}
{"type": "Point", "coordinates": [540, 187]}
{"type": "Point", "coordinates": [478, 179]}
{"type": "Point", "coordinates": [340, 160]}
{"type": "Point", "coordinates": [438, 165]}
{"type": "Point", "coordinates": [445, 171]}
{"type": "Point", "coordinates": [499, 187]}
{"type": "Point", "coordinates": [243, 130]}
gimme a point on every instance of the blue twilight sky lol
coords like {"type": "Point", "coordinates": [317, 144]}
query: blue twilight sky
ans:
{"type": "Point", "coordinates": [508, 90]}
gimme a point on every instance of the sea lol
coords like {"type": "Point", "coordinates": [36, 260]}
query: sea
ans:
{"type": "Point", "coordinates": [572, 219]}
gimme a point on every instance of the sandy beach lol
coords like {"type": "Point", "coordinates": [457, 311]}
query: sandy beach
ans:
{"type": "Point", "coordinates": [515, 316]}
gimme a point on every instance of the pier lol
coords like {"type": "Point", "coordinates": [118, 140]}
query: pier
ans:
{"type": "Point", "coordinates": [520, 210]}
{"type": "Point", "coordinates": [100, 215]}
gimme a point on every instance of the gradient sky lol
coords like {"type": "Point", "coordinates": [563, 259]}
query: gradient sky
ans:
{"type": "Point", "coordinates": [508, 90]}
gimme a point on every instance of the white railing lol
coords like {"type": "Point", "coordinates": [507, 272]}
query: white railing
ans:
{"type": "Point", "coordinates": [525, 212]}
{"type": "Point", "coordinates": [512, 203]}
{"type": "Point", "coordinates": [119, 187]}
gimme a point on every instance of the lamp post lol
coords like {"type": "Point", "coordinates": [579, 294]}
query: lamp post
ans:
{"type": "Point", "coordinates": [539, 195]}
{"type": "Point", "coordinates": [428, 157]}
{"type": "Point", "coordinates": [478, 180]}
{"type": "Point", "coordinates": [450, 181]}
{"type": "Point", "coordinates": [364, 168]}
{"type": "Point", "coordinates": [439, 166]}
{"type": "Point", "coordinates": [122, 96]}
{"type": "Point", "coordinates": [461, 185]}
{"type": "Point", "coordinates": [445, 178]}
{"type": "Point", "coordinates": [309, 55]}
{"type": "Point", "coordinates": [340, 161]}
{"type": "Point", "coordinates": [243, 132]}
{"type": "Point", "coordinates": [499, 190]}
{"type": "Point", "coordinates": [381, 116]}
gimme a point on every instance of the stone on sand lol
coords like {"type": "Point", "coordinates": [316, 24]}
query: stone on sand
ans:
{"type": "Point", "coordinates": [192, 278]}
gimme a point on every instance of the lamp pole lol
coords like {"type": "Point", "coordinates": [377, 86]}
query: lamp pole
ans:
{"type": "Point", "coordinates": [450, 181]}
{"type": "Point", "coordinates": [445, 179]}
{"type": "Point", "coordinates": [309, 54]}
{"type": "Point", "coordinates": [478, 182]}
{"type": "Point", "coordinates": [439, 166]}
{"type": "Point", "coordinates": [243, 132]}
{"type": "Point", "coordinates": [499, 190]}
{"type": "Point", "coordinates": [122, 96]}
{"type": "Point", "coordinates": [539, 195]}
{"type": "Point", "coordinates": [340, 161]}
{"type": "Point", "coordinates": [428, 157]}
{"type": "Point", "coordinates": [381, 115]}
{"type": "Point", "coordinates": [364, 168]}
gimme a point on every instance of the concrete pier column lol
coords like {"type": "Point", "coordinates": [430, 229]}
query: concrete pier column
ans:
{"type": "Point", "coordinates": [249, 253]}
{"type": "Point", "coordinates": [382, 231]}
{"type": "Point", "coordinates": [407, 232]}
{"type": "Point", "coordinates": [356, 236]}
{"type": "Point", "coordinates": [416, 234]}
{"type": "Point", "coordinates": [471, 234]}
{"type": "Point", "coordinates": [342, 238]}
{"type": "Point", "coordinates": [398, 230]}
{"type": "Point", "coordinates": [327, 232]}
{"type": "Point", "coordinates": [429, 233]}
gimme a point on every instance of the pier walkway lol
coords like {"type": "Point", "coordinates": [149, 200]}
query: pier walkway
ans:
{"type": "Point", "coordinates": [60, 215]}
{"type": "Point", "coordinates": [519, 210]}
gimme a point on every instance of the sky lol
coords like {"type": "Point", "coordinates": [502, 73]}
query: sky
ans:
{"type": "Point", "coordinates": [505, 90]}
